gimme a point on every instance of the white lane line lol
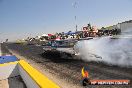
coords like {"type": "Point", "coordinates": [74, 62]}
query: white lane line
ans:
{"type": "Point", "coordinates": [0, 50]}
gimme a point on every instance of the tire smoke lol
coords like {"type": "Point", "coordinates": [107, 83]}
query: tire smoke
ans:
{"type": "Point", "coordinates": [111, 51]}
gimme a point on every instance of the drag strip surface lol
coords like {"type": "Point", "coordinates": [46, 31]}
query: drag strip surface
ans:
{"type": "Point", "coordinates": [0, 50]}
{"type": "Point", "coordinates": [70, 69]}
{"type": "Point", "coordinates": [4, 50]}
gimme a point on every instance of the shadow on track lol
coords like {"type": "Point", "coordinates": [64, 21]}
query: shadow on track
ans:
{"type": "Point", "coordinates": [58, 57]}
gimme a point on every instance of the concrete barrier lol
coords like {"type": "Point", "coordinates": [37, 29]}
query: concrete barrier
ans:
{"type": "Point", "coordinates": [8, 70]}
{"type": "Point", "coordinates": [41, 80]}
{"type": "Point", "coordinates": [31, 77]}
{"type": "Point", "coordinates": [30, 83]}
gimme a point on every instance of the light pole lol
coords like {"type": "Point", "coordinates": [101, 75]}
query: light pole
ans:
{"type": "Point", "coordinates": [75, 6]}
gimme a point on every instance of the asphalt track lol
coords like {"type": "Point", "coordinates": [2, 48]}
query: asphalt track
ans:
{"type": "Point", "coordinates": [69, 69]}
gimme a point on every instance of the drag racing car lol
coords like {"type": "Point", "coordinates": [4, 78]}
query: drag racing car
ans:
{"type": "Point", "coordinates": [60, 47]}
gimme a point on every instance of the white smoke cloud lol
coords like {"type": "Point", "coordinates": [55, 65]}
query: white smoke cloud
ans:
{"type": "Point", "coordinates": [105, 49]}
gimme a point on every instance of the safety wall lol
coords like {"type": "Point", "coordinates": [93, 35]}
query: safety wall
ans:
{"type": "Point", "coordinates": [30, 83]}
{"type": "Point", "coordinates": [31, 77]}
{"type": "Point", "coordinates": [8, 70]}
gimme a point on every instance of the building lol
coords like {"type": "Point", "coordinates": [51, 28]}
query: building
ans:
{"type": "Point", "coordinates": [125, 25]}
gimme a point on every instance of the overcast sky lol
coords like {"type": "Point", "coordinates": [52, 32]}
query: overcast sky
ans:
{"type": "Point", "coordinates": [23, 18]}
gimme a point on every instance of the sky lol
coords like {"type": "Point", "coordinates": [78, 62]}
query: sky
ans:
{"type": "Point", "coordinates": [29, 18]}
